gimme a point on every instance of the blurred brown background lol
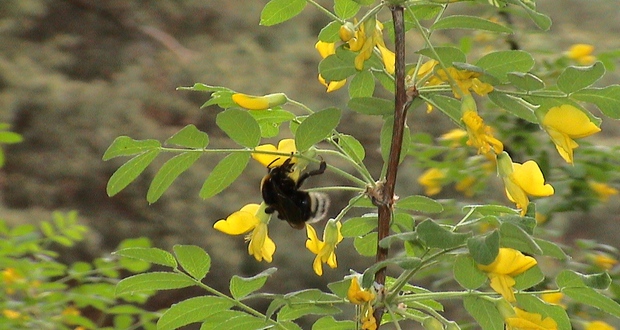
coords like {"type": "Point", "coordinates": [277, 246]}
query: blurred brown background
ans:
{"type": "Point", "coordinates": [75, 74]}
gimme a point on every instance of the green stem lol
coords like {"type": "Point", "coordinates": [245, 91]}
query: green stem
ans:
{"type": "Point", "coordinates": [326, 11]}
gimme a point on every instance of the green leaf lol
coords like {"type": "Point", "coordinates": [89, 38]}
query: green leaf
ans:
{"type": "Point", "coordinates": [419, 203]}
{"type": "Point", "coordinates": [435, 236]}
{"type": "Point", "coordinates": [575, 78]}
{"type": "Point", "coordinates": [47, 229]}
{"type": "Point", "coordinates": [606, 99]}
{"type": "Point", "coordinates": [340, 288]}
{"type": "Point", "coordinates": [525, 81]}
{"type": "Point", "coordinates": [270, 121]}
{"type": "Point", "coordinates": [129, 171]}
{"type": "Point", "coordinates": [329, 33]}
{"type": "Point", "coordinates": [447, 55]}
{"type": "Point", "coordinates": [338, 66]}
{"type": "Point", "coordinates": [240, 126]}
{"type": "Point", "coordinates": [484, 312]}
{"type": "Point", "coordinates": [514, 105]}
{"type": "Point", "coordinates": [592, 298]}
{"type": "Point", "coordinates": [358, 226]}
{"type": "Point", "coordinates": [190, 137]}
{"type": "Point", "coordinates": [148, 282]}
{"type": "Point", "coordinates": [278, 11]}
{"type": "Point", "coordinates": [194, 260]}
{"type": "Point", "coordinates": [328, 322]}
{"type": "Point", "coordinates": [307, 302]}
{"type": "Point", "coordinates": [551, 249]}
{"type": "Point", "coordinates": [224, 173]}
{"type": "Point", "coordinates": [316, 127]}
{"type": "Point", "coordinates": [515, 237]}
{"type": "Point", "coordinates": [366, 245]}
{"type": "Point", "coordinates": [484, 249]}
{"type": "Point", "coordinates": [467, 274]}
{"type": "Point", "coordinates": [126, 146]}
{"type": "Point", "coordinates": [243, 286]}
{"type": "Point", "coordinates": [469, 22]}
{"type": "Point", "coordinates": [169, 172]}
{"type": "Point", "coordinates": [449, 106]}
{"type": "Point", "coordinates": [371, 106]}
{"type": "Point", "coordinates": [10, 137]}
{"type": "Point", "coordinates": [569, 278]}
{"type": "Point", "coordinates": [346, 8]}
{"type": "Point", "coordinates": [362, 85]}
{"type": "Point", "coordinates": [498, 64]}
{"type": "Point", "coordinates": [541, 20]}
{"type": "Point", "coordinates": [150, 255]}
{"type": "Point", "coordinates": [529, 278]}
{"type": "Point", "coordinates": [385, 140]}
{"type": "Point", "coordinates": [192, 310]}
{"type": "Point", "coordinates": [532, 303]}
{"type": "Point", "coordinates": [352, 147]}
{"type": "Point", "coordinates": [235, 320]}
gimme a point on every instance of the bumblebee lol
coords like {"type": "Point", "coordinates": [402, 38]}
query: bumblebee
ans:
{"type": "Point", "coordinates": [282, 193]}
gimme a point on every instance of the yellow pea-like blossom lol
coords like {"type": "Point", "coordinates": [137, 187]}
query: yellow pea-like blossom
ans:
{"type": "Point", "coordinates": [521, 180]}
{"type": "Point", "coordinates": [365, 299]}
{"type": "Point", "coordinates": [286, 146]}
{"type": "Point", "coordinates": [523, 320]}
{"type": "Point", "coordinates": [325, 49]}
{"type": "Point", "coordinates": [480, 135]}
{"type": "Point", "coordinates": [581, 53]}
{"type": "Point", "coordinates": [508, 264]}
{"type": "Point", "coordinates": [603, 190]}
{"type": "Point", "coordinates": [251, 220]}
{"type": "Point", "coordinates": [325, 250]}
{"type": "Point", "coordinates": [604, 261]}
{"type": "Point", "coordinates": [253, 102]}
{"type": "Point", "coordinates": [431, 179]}
{"type": "Point", "coordinates": [366, 37]}
{"type": "Point", "coordinates": [564, 124]}
{"type": "Point", "coordinates": [598, 325]}
{"type": "Point", "coordinates": [455, 136]}
{"type": "Point", "coordinates": [554, 298]}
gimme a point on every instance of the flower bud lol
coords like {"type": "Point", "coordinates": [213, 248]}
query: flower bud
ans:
{"type": "Point", "coordinates": [504, 308]}
{"type": "Point", "coordinates": [252, 102]}
{"type": "Point", "coordinates": [347, 31]}
{"type": "Point", "coordinates": [431, 323]}
{"type": "Point", "coordinates": [468, 104]}
{"type": "Point", "coordinates": [504, 164]}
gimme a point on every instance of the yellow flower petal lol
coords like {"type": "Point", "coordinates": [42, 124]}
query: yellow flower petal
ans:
{"type": "Point", "coordinates": [603, 190]}
{"type": "Point", "coordinates": [389, 59]}
{"type": "Point", "coordinates": [284, 146]}
{"type": "Point", "coordinates": [570, 121]}
{"type": "Point", "coordinates": [529, 177]}
{"type": "Point", "coordinates": [325, 48]}
{"type": "Point", "coordinates": [313, 243]}
{"type": "Point", "coordinates": [503, 284]}
{"type": "Point", "coordinates": [598, 325]}
{"type": "Point", "coordinates": [508, 264]}
{"type": "Point", "coordinates": [529, 321]}
{"type": "Point", "coordinates": [239, 222]}
{"type": "Point", "coordinates": [261, 246]}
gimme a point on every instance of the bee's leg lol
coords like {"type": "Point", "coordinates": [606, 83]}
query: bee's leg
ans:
{"type": "Point", "coordinates": [320, 170]}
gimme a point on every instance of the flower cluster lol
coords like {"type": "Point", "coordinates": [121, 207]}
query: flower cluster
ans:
{"type": "Point", "coordinates": [365, 299]}
{"type": "Point", "coordinates": [462, 82]}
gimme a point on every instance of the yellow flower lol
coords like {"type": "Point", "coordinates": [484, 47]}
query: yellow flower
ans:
{"type": "Point", "coordinates": [598, 325]}
{"type": "Point", "coordinates": [466, 186]}
{"type": "Point", "coordinates": [253, 102]}
{"type": "Point", "coordinates": [325, 250]}
{"type": "Point", "coordinates": [565, 123]}
{"type": "Point", "coordinates": [356, 295]}
{"type": "Point", "coordinates": [455, 136]}
{"type": "Point", "coordinates": [286, 146]}
{"type": "Point", "coordinates": [603, 190]}
{"type": "Point", "coordinates": [581, 53]}
{"type": "Point", "coordinates": [508, 264]}
{"type": "Point", "coordinates": [523, 320]}
{"type": "Point", "coordinates": [431, 180]}
{"type": "Point", "coordinates": [253, 220]}
{"type": "Point", "coordinates": [364, 298]}
{"type": "Point", "coordinates": [11, 314]}
{"type": "Point", "coordinates": [480, 134]}
{"type": "Point", "coordinates": [604, 261]}
{"type": "Point", "coordinates": [368, 35]}
{"type": "Point", "coordinates": [554, 298]}
{"type": "Point", "coordinates": [465, 81]}
{"type": "Point", "coordinates": [325, 49]}
{"type": "Point", "coordinates": [521, 180]}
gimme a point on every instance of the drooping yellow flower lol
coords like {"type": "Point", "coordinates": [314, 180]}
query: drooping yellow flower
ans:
{"type": "Point", "coordinates": [11, 314]}
{"type": "Point", "coordinates": [508, 264]}
{"type": "Point", "coordinates": [325, 49]}
{"type": "Point", "coordinates": [286, 146]}
{"type": "Point", "coordinates": [604, 261]}
{"type": "Point", "coordinates": [325, 250]}
{"type": "Point", "coordinates": [554, 298]}
{"type": "Point", "coordinates": [431, 180]}
{"type": "Point", "coordinates": [466, 186]}
{"type": "Point", "coordinates": [565, 123]}
{"type": "Point", "coordinates": [523, 320]}
{"type": "Point", "coordinates": [521, 180]}
{"type": "Point", "coordinates": [365, 299]}
{"type": "Point", "coordinates": [603, 190]}
{"type": "Point", "coordinates": [465, 81]}
{"type": "Point", "coordinates": [70, 311]}
{"type": "Point", "coordinates": [250, 219]}
{"type": "Point", "coordinates": [598, 325]}
{"type": "Point", "coordinates": [366, 37]}
{"type": "Point", "coordinates": [581, 53]}
{"type": "Point", "coordinates": [480, 134]}
{"type": "Point", "coordinates": [455, 136]}
{"type": "Point", "coordinates": [253, 102]}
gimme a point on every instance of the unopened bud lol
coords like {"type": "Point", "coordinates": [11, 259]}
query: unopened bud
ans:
{"type": "Point", "coordinates": [252, 102]}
